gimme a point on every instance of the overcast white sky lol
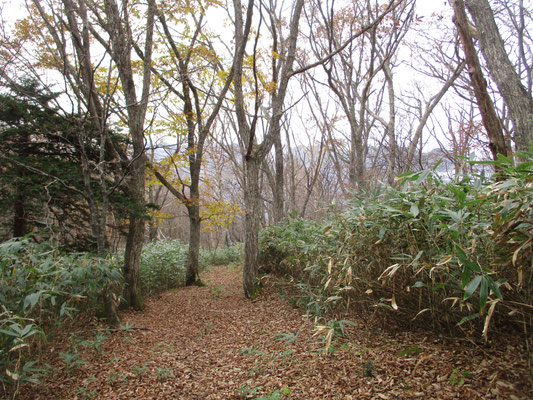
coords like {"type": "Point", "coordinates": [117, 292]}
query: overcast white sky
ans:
{"type": "Point", "coordinates": [426, 7]}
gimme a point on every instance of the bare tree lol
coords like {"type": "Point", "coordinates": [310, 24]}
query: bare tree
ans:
{"type": "Point", "coordinates": [491, 120]}
{"type": "Point", "coordinates": [256, 152]}
{"type": "Point", "coordinates": [502, 70]}
{"type": "Point", "coordinates": [352, 74]}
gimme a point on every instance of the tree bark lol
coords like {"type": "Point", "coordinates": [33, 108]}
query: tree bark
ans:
{"type": "Point", "coordinates": [251, 229]}
{"type": "Point", "coordinates": [490, 119]}
{"type": "Point", "coordinates": [503, 72]}
{"type": "Point", "coordinates": [192, 276]}
{"type": "Point", "coordinates": [391, 125]}
{"type": "Point", "coordinates": [279, 186]}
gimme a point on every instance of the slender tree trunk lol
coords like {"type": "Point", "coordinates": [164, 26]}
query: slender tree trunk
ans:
{"type": "Point", "coordinates": [279, 186]}
{"type": "Point", "coordinates": [193, 207]}
{"type": "Point", "coordinates": [256, 153]}
{"type": "Point", "coordinates": [251, 228]}
{"type": "Point", "coordinates": [192, 275]}
{"type": "Point", "coordinates": [357, 165]}
{"type": "Point", "coordinates": [109, 297]}
{"type": "Point", "coordinates": [153, 197]}
{"type": "Point", "coordinates": [391, 126]}
{"type": "Point", "coordinates": [292, 174]}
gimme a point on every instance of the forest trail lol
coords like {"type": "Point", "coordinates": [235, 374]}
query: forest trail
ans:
{"type": "Point", "coordinates": [211, 343]}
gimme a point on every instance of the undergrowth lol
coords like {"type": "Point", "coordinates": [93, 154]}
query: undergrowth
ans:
{"type": "Point", "coordinates": [41, 286]}
{"type": "Point", "coordinates": [222, 256]}
{"type": "Point", "coordinates": [453, 253]}
{"type": "Point", "coordinates": [163, 263]}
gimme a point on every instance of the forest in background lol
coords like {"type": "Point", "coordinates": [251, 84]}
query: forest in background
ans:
{"type": "Point", "coordinates": [384, 154]}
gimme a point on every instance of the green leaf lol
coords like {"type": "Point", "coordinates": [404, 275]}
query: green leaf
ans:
{"type": "Point", "coordinates": [496, 289]}
{"type": "Point", "coordinates": [468, 318]}
{"type": "Point", "coordinates": [463, 258]}
{"type": "Point", "coordinates": [414, 210]}
{"type": "Point", "coordinates": [458, 192]}
{"type": "Point", "coordinates": [288, 338]}
{"type": "Point", "coordinates": [472, 286]}
{"type": "Point", "coordinates": [413, 350]}
{"type": "Point", "coordinates": [32, 299]}
{"type": "Point", "coordinates": [26, 330]}
{"type": "Point", "coordinates": [465, 276]}
{"type": "Point", "coordinates": [483, 292]}
{"type": "Point", "coordinates": [456, 217]}
{"type": "Point", "coordinates": [9, 333]}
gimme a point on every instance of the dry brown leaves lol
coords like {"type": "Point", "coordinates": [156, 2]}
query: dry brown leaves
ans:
{"type": "Point", "coordinates": [211, 343]}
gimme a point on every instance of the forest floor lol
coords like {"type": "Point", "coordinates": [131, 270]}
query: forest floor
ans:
{"type": "Point", "coordinates": [211, 343]}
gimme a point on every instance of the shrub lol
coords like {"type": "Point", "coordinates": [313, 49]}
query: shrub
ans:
{"type": "Point", "coordinates": [39, 287]}
{"type": "Point", "coordinates": [222, 256]}
{"type": "Point", "coordinates": [453, 251]}
{"type": "Point", "coordinates": [162, 266]}
{"type": "Point", "coordinates": [163, 263]}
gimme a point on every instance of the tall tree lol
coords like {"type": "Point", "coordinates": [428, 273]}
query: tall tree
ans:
{"type": "Point", "coordinates": [194, 79]}
{"type": "Point", "coordinates": [516, 96]}
{"type": "Point", "coordinates": [78, 24]}
{"type": "Point", "coordinates": [353, 73]}
{"type": "Point", "coordinates": [491, 121]}
{"type": "Point", "coordinates": [255, 151]}
{"type": "Point", "coordinates": [38, 149]}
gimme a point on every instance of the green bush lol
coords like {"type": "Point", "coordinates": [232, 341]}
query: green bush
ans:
{"type": "Point", "coordinates": [452, 251]}
{"type": "Point", "coordinates": [163, 263]}
{"type": "Point", "coordinates": [222, 256]}
{"type": "Point", "coordinates": [39, 287]}
{"type": "Point", "coordinates": [162, 266]}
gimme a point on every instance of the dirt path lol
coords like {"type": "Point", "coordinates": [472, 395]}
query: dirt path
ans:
{"type": "Point", "coordinates": [211, 343]}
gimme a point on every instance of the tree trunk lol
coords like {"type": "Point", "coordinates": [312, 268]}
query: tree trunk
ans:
{"type": "Point", "coordinates": [503, 72]}
{"type": "Point", "coordinates": [357, 170]}
{"type": "Point", "coordinates": [193, 207]}
{"type": "Point", "coordinates": [121, 40]}
{"type": "Point", "coordinates": [391, 126]}
{"type": "Point", "coordinates": [292, 174]}
{"type": "Point", "coordinates": [490, 119]}
{"type": "Point", "coordinates": [251, 229]}
{"type": "Point", "coordinates": [135, 239]}
{"type": "Point", "coordinates": [192, 275]}
{"type": "Point", "coordinates": [279, 186]}
{"type": "Point", "coordinates": [132, 259]}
